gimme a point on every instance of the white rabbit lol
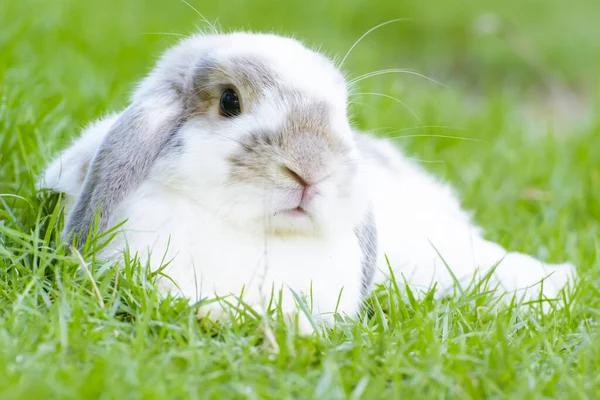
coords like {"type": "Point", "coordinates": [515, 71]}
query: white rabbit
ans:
{"type": "Point", "coordinates": [236, 164]}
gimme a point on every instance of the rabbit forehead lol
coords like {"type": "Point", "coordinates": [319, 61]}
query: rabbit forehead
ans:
{"type": "Point", "coordinates": [269, 60]}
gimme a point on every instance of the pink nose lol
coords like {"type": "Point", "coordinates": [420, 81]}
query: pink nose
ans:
{"type": "Point", "coordinates": [308, 190]}
{"type": "Point", "coordinates": [297, 177]}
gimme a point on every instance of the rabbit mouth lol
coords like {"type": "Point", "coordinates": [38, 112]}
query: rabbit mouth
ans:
{"type": "Point", "coordinates": [295, 212]}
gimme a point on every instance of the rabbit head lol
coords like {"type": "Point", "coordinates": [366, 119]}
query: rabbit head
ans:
{"type": "Point", "coordinates": [252, 127]}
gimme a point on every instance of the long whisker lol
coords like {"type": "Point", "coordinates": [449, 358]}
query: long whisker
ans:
{"type": "Point", "coordinates": [453, 128]}
{"type": "Point", "coordinates": [360, 139]}
{"type": "Point", "coordinates": [381, 128]}
{"type": "Point", "coordinates": [361, 160]}
{"type": "Point", "coordinates": [420, 160]}
{"type": "Point", "coordinates": [214, 29]}
{"type": "Point", "coordinates": [164, 33]}
{"type": "Point", "coordinates": [366, 34]}
{"type": "Point", "coordinates": [388, 135]}
{"type": "Point", "coordinates": [392, 71]}
{"type": "Point", "coordinates": [392, 98]}
{"type": "Point", "coordinates": [361, 104]}
{"type": "Point", "coordinates": [468, 139]}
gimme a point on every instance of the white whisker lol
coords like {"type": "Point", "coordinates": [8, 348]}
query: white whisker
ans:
{"type": "Point", "coordinates": [164, 33]}
{"type": "Point", "coordinates": [468, 139]}
{"type": "Point", "coordinates": [361, 104]}
{"type": "Point", "coordinates": [392, 71]}
{"type": "Point", "coordinates": [366, 34]}
{"type": "Point", "coordinates": [392, 98]}
{"type": "Point", "coordinates": [419, 160]}
{"type": "Point", "coordinates": [212, 27]}
{"type": "Point", "coordinates": [363, 159]}
{"type": "Point", "coordinates": [421, 127]}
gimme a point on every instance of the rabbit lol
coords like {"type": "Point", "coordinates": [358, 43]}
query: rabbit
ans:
{"type": "Point", "coordinates": [236, 168]}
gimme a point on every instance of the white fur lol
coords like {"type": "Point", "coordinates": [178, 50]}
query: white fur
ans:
{"type": "Point", "coordinates": [218, 238]}
{"type": "Point", "coordinates": [420, 218]}
{"type": "Point", "coordinates": [212, 257]}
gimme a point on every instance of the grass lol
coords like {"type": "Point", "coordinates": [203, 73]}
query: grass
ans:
{"type": "Point", "coordinates": [521, 78]}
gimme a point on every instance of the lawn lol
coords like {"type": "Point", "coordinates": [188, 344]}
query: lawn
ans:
{"type": "Point", "coordinates": [515, 128]}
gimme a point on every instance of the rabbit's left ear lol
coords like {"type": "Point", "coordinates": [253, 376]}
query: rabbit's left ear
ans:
{"type": "Point", "coordinates": [124, 159]}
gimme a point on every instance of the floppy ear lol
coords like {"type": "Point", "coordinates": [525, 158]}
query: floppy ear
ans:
{"type": "Point", "coordinates": [124, 159]}
{"type": "Point", "coordinates": [138, 136]}
{"type": "Point", "coordinates": [66, 173]}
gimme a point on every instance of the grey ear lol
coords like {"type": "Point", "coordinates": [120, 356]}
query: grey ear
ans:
{"type": "Point", "coordinates": [123, 161]}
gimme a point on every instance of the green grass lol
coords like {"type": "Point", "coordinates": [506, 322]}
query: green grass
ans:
{"type": "Point", "coordinates": [528, 92]}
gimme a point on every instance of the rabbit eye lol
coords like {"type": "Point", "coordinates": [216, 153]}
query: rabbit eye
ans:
{"type": "Point", "coordinates": [230, 104]}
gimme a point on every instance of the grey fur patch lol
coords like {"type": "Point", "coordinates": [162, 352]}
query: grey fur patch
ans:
{"type": "Point", "coordinates": [255, 72]}
{"type": "Point", "coordinates": [303, 143]}
{"type": "Point", "coordinates": [123, 161]}
{"type": "Point", "coordinates": [366, 233]}
{"type": "Point", "coordinates": [248, 74]}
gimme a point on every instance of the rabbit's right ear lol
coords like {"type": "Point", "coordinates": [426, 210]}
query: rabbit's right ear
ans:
{"type": "Point", "coordinates": [67, 172]}
{"type": "Point", "coordinates": [123, 160]}
{"type": "Point", "coordinates": [137, 138]}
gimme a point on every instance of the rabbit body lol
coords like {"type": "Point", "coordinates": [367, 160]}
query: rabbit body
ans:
{"type": "Point", "coordinates": [206, 256]}
{"type": "Point", "coordinates": [279, 194]}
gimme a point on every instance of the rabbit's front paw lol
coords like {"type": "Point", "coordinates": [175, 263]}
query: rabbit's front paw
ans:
{"type": "Point", "coordinates": [222, 309]}
{"type": "Point", "coordinates": [219, 311]}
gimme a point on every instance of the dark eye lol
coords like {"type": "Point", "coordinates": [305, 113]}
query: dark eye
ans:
{"type": "Point", "coordinates": [230, 104]}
